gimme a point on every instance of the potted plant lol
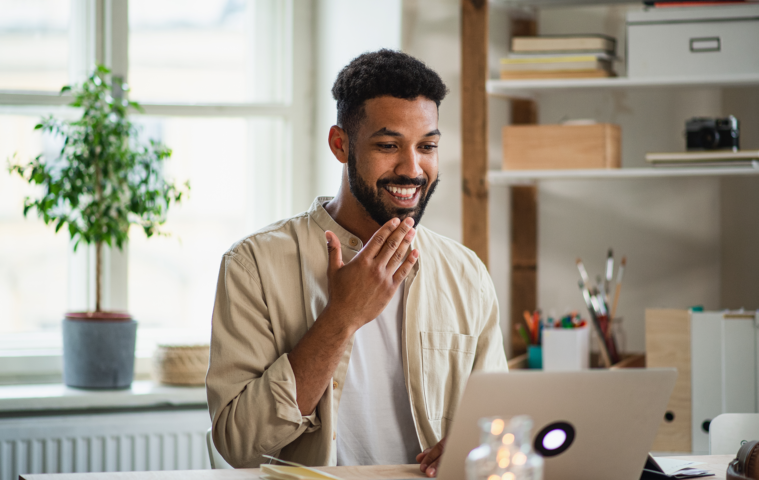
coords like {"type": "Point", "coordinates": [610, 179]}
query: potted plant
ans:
{"type": "Point", "coordinates": [104, 180]}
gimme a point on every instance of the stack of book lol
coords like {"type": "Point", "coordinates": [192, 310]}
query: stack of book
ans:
{"type": "Point", "coordinates": [566, 56]}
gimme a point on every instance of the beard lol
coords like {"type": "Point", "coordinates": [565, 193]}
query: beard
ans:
{"type": "Point", "coordinates": [371, 198]}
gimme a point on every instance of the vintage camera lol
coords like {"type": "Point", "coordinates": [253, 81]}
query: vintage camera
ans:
{"type": "Point", "coordinates": [712, 133]}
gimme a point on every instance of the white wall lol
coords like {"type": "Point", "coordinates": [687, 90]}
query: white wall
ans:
{"type": "Point", "coordinates": [344, 30]}
{"type": "Point", "coordinates": [739, 204]}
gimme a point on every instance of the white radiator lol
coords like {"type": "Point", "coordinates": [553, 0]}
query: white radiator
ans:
{"type": "Point", "coordinates": [111, 442]}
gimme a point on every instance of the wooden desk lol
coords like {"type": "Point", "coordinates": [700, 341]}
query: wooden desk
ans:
{"type": "Point", "coordinates": [376, 472]}
{"type": "Point", "coordinates": [715, 463]}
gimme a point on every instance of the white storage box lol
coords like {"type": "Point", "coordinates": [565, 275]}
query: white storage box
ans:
{"type": "Point", "coordinates": [566, 349]}
{"type": "Point", "coordinates": [693, 41]}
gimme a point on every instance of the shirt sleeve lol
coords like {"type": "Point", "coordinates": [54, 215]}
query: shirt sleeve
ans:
{"type": "Point", "coordinates": [250, 385]}
{"type": "Point", "coordinates": [490, 355]}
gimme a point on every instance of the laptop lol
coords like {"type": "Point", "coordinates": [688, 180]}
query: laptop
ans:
{"type": "Point", "coordinates": [607, 419]}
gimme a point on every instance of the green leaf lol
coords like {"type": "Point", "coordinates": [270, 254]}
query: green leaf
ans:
{"type": "Point", "coordinates": [105, 177]}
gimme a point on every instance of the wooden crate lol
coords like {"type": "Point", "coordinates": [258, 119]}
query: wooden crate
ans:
{"type": "Point", "coordinates": [541, 147]}
{"type": "Point", "coordinates": [668, 344]}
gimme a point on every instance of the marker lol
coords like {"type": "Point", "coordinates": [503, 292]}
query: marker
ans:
{"type": "Point", "coordinates": [540, 332]}
{"type": "Point", "coordinates": [528, 321]}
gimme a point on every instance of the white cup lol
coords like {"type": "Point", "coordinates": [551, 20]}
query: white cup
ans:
{"type": "Point", "coordinates": [566, 349]}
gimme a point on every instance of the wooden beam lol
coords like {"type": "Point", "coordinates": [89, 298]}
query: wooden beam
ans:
{"type": "Point", "coordinates": [524, 219]}
{"type": "Point", "coordinates": [524, 263]}
{"type": "Point", "coordinates": [474, 126]}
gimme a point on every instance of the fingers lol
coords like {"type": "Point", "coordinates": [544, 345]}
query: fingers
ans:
{"type": "Point", "coordinates": [335, 253]}
{"type": "Point", "coordinates": [375, 244]}
{"type": "Point", "coordinates": [432, 469]}
{"type": "Point", "coordinates": [404, 270]}
{"type": "Point", "coordinates": [429, 463]}
{"type": "Point", "coordinates": [393, 244]}
{"type": "Point", "coordinates": [397, 257]}
{"type": "Point", "coordinates": [420, 456]}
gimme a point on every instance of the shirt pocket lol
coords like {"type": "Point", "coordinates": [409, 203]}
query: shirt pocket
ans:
{"type": "Point", "coordinates": [447, 360]}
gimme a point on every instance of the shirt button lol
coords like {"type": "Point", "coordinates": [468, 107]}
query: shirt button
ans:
{"type": "Point", "coordinates": [353, 242]}
{"type": "Point", "coordinates": [334, 435]}
{"type": "Point", "coordinates": [334, 384]}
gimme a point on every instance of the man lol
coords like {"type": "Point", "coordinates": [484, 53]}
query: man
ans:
{"type": "Point", "coordinates": [345, 335]}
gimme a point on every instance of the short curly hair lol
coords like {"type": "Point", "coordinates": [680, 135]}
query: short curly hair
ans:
{"type": "Point", "coordinates": [380, 73]}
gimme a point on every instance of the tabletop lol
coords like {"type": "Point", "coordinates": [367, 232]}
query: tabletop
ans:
{"type": "Point", "coordinates": [714, 463]}
{"type": "Point", "coordinates": [372, 472]}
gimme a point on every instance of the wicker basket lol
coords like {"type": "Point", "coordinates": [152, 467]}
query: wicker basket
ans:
{"type": "Point", "coordinates": [180, 364]}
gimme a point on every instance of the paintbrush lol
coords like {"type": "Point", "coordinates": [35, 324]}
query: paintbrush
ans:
{"type": "Point", "coordinates": [609, 273]}
{"type": "Point", "coordinates": [604, 348]}
{"type": "Point", "coordinates": [620, 274]}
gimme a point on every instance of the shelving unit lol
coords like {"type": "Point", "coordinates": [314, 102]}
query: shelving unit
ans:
{"type": "Point", "coordinates": [478, 87]}
{"type": "Point", "coordinates": [529, 89]}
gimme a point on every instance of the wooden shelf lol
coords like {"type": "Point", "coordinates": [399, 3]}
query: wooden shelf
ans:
{"type": "Point", "coordinates": [522, 177]}
{"type": "Point", "coordinates": [529, 89]}
{"type": "Point", "coordinates": [556, 3]}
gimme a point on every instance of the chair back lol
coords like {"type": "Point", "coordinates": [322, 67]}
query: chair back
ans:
{"type": "Point", "coordinates": [217, 461]}
{"type": "Point", "coordinates": [727, 432]}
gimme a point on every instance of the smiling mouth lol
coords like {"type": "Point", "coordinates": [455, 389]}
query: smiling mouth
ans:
{"type": "Point", "coordinates": [402, 193]}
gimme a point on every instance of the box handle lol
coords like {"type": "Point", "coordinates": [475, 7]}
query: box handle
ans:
{"type": "Point", "coordinates": [705, 44]}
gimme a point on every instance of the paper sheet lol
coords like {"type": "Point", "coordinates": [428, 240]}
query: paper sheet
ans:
{"type": "Point", "coordinates": [281, 472]}
{"type": "Point", "coordinates": [672, 466]}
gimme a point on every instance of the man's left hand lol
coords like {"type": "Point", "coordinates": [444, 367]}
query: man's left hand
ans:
{"type": "Point", "coordinates": [430, 458]}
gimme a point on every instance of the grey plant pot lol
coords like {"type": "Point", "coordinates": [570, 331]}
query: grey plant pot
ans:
{"type": "Point", "coordinates": [98, 354]}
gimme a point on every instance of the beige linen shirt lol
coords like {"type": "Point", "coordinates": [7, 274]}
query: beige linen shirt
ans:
{"type": "Point", "coordinates": [272, 286]}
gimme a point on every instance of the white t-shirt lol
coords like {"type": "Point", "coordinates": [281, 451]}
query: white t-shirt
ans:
{"type": "Point", "coordinates": [374, 421]}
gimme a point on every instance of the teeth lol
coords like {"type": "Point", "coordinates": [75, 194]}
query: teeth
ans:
{"type": "Point", "coordinates": [405, 192]}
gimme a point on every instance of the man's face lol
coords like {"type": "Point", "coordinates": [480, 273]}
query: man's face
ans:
{"type": "Point", "coordinates": [392, 158]}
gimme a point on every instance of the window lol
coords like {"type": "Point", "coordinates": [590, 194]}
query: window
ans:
{"type": "Point", "coordinates": [33, 261]}
{"type": "Point", "coordinates": [215, 78]}
{"type": "Point", "coordinates": [34, 44]}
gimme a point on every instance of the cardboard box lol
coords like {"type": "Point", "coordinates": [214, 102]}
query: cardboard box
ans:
{"type": "Point", "coordinates": [558, 147]}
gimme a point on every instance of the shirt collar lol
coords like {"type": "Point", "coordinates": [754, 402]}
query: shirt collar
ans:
{"type": "Point", "coordinates": [326, 222]}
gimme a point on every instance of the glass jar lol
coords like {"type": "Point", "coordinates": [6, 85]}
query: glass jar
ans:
{"type": "Point", "coordinates": [505, 451]}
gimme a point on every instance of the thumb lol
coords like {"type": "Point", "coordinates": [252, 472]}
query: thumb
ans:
{"type": "Point", "coordinates": [335, 253]}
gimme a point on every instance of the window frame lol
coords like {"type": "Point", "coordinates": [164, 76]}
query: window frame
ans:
{"type": "Point", "coordinates": [99, 33]}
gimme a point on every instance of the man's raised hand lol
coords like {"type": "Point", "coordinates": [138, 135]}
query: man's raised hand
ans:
{"type": "Point", "coordinates": [361, 289]}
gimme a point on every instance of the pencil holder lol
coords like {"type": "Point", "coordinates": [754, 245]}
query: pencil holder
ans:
{"type": "Point", "coordinates": [566, 349]}
{"type": "Point", "coordinates": [535, 356]}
